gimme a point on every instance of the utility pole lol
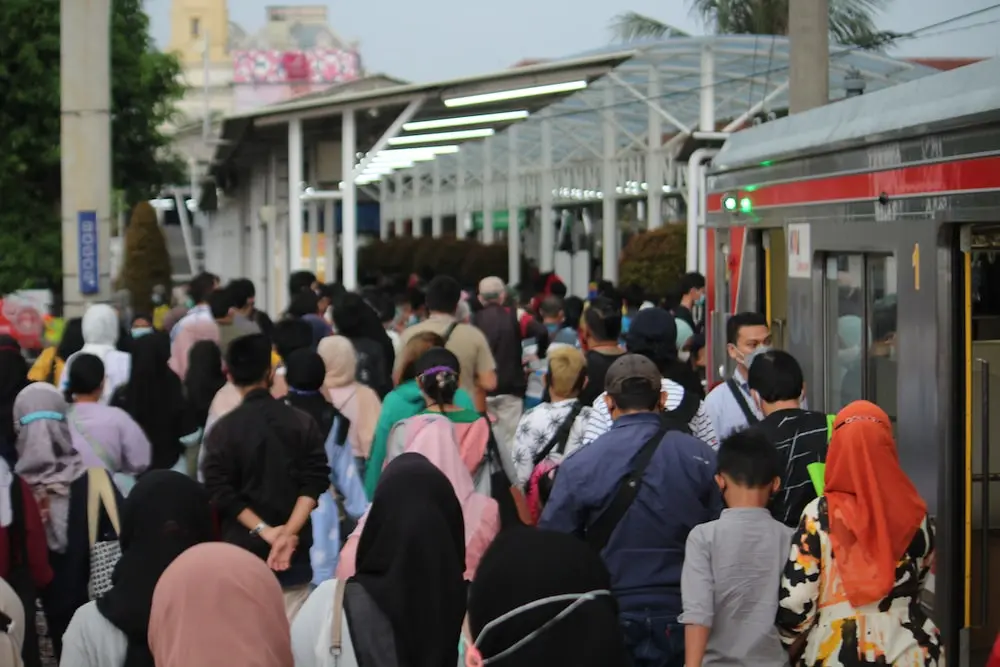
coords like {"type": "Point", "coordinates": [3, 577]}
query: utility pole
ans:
{"type": "Point", "coordinates": [85, 123]}
{"type": "Point", "coordinates": [809, 32]}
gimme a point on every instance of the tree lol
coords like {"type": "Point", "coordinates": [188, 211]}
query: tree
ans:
{"type": "Point", "coordinates": [144, 88]}
{"type": "Point", "coordinates": [147, 261]}
{"type": "Point", "coordinates": [852, 22]}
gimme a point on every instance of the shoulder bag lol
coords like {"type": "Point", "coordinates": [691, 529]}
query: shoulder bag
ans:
{"type": "Point", "coordinates": [104, 554]}
{"type": "Point", "coordinates": [741, 400]}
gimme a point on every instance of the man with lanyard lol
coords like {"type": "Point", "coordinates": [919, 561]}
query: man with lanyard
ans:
{"type": "Point", "coordinates": [729, 405]}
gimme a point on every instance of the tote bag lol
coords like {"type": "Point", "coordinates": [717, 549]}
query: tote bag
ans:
{"type": "Point", "coordinates": [104, 554]}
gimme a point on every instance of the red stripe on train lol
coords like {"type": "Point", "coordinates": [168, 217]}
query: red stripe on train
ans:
{"type": "Point", "coordinates": [958, 176]}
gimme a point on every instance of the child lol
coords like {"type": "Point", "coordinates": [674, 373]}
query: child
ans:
{"type": "Point", "coordinates": [732, 566]}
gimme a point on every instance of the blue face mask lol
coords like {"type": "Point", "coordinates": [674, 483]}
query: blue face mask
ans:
{"type": "Point", "coordinates": [700, 301]}
{"type": "Point", "coordinates": [189, 302]}
{"type": "Point", "coordinates": [553, 328]}
{"type": "Point", "coordinates": [139, 332]}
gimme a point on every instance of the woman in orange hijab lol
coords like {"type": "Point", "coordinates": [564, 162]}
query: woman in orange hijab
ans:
{"type": "Point", "coordinates": [850, 591]}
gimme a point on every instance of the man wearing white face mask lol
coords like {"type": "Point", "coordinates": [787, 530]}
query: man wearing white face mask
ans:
{"type": "Point", "coordinates": [729, 405]}
{"type": "Point", "coordinates": [777, 389]}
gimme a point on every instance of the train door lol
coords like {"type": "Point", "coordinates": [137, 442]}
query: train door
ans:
{"type": "Point", "coordinates": [980, 375]}
{"type": "Point", "coordinates": [774, 287]}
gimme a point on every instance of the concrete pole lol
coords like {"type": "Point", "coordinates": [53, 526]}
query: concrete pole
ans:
{"type": "Point", "coordinates": [85, 142]}
{"type": "Point", "coordinates": [809, 32]}
{"type": "Point", "coordinates": [295, 178]}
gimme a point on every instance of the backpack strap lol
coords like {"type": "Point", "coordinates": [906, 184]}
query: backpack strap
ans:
{"type": "Point", "coordinates": [336, 631]}
{"type": "Point", "coordinates": [741, 400]}
{"type": "Point", "coordinates": [685, 410]}
{"type": "Point", "coordinates": [446, 336]}
{"type": "Point", "coordinates": [599, 533]}
{"type": "Point", "coordinates": [561, 436]}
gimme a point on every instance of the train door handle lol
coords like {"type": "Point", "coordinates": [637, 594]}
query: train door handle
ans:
{"type": "Point", "coordinates": [778, 324]}
{"type": "Point", "coordinates": [984, 499]}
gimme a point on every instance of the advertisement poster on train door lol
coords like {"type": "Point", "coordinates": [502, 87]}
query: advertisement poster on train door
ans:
{"type": "Point", "coordinates": [799, 251]}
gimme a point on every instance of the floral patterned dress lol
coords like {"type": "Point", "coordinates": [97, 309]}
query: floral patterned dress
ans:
{"type": "Point", "coordinates": [894, 631]}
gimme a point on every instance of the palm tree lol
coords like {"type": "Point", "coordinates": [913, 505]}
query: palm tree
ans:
{"type": "Point", "coordinates": [852, 22]}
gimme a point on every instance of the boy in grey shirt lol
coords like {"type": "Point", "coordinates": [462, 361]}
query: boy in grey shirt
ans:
{"type": "Point", "coordinates": [732, 566]}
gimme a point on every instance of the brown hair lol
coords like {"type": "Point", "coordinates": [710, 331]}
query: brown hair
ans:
{"type": "Point", "coordinates": [413, 350]}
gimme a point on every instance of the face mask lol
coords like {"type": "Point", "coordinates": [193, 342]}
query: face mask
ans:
{"type": "Point", "coordinates": [157, 299]}
{"type": "Point", "coordinates": [700, 301]}
{"type": "Point", "coordinates": [684, 356]}
{"type": "Point", "coordinates": [411, 320]}
{"type": "Point", "coordinates": [139, 332]}
{"type": "Point", "coordinates": [189, 302]}
{"type": "Point", "coordinates": [473, 658]}
{"type": "Point", "coordinates": [748, 358]}
{"type": "Point", "coordinates": [553, 328]}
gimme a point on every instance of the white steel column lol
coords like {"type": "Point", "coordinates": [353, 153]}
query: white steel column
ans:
{"type": "Point", "coordinates": [487, 191]}
{"type": "Point", "coordinates": [418, 227]}
{"type": "Point", "coordinates": [654, 159]}
{"type": "Point", "coordinates": [397, 180]}
{"type": "Point", "coordinates": [294, 253]}
{"type": "Point", "coordinates": [513, 211]}
{"type": "Point", "coordinates": [349, 202]}
{"type": "Point", "coordinates": [547, 237]}
{"type": "Point", "coordinates": [313, 222]}
{"type": "Point", "coordinates": [257, 233]}
{"type": "Point", "coordinates": [609, 224]}
{"type": "Point", "coordinates": [383, 209]}
{"type": "Point", "coordinates": [330, 222]}
{"type": "Point", "coordinates": [437, 226]}
{"type": "Point", "coordinates": [460, 197]}
{"type": "Point", "coordinates": [707, 123]}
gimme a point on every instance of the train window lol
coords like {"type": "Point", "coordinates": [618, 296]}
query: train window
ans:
{"type": "Point", "coordinates": [845, 313]}
{"type": "Point", "coordinates": [861, 330]}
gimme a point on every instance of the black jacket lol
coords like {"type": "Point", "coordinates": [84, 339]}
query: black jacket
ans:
{"type": "Point", "coordinates": [264, 456]}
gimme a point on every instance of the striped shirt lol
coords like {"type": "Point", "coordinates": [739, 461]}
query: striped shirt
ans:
{"type": "Point", "coordinates": [801, 438]}
{"type": "Point", "coordinates": [600, 421]}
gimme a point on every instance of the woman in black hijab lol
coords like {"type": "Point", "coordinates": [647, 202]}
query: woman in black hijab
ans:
{"type": "Point", "coordinates": [411, 561]}
{"type": "Point", "coordinates": [164, 515]}
{"type": "Point", "coordinates": [204, 378]}
{"type": "Point", "coordinates": [13, 378]}
{"type": "Point", "coordinates": [578, 626]}
{"type": "Point", "coordinates": [305, 372]}
{"type": "Point", "coordinates": [154, 397]}
{"type": "Point", "coordinates": [355, 319]}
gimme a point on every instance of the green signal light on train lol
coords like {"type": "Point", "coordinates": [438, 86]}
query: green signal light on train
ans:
{"type": "Point", "coordinates": [746, 205]}
{"type": "Point", "coordinates": [729, 203]}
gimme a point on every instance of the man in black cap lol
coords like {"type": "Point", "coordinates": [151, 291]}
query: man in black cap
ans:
{"type": "Point", "coordinates": [653, 335]}
{"type": "Point", "coordinates": [634, 494]}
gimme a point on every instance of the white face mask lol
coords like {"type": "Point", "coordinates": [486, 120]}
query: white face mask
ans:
{"type": "Point", "coordinates": [684, 355]}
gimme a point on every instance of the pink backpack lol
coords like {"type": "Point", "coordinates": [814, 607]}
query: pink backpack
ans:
{"type": "Point", "coordinates": [543, 474]}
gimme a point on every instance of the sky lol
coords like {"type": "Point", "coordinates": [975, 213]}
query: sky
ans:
{"type": "Point", "coordinates": [434, 40]}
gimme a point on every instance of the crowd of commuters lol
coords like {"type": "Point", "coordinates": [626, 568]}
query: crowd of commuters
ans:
{"type": "Point", "coordinates": [424, 476]}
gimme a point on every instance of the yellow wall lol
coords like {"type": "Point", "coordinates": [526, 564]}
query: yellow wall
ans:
{"type": "Point", "coordinates": [212, 18]}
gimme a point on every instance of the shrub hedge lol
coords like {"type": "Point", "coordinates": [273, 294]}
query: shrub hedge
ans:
{"type": "Point", "coordinates": [467, 261]}
{"type": "Point", "coordinates": [147, 261]}
{"type": "Point", "coordinates": [655, 260]}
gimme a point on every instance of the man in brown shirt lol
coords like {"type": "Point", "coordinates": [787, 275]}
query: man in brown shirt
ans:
{"type": "Point", "coordinates": [479, 370]}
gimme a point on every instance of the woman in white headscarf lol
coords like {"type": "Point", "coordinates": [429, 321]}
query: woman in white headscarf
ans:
{"type": "Point", "coordinates": [100, 338]}
{"type": "Point", "coordinates": [11, 626]}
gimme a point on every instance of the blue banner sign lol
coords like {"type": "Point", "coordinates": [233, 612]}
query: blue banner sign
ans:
{"type": "Point", "coordinates": [90, 275]}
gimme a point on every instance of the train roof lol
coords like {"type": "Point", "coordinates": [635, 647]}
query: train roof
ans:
{"type": "Point", "coordinates": [930, 104]}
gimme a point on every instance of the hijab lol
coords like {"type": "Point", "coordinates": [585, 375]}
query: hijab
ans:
{"type": "Point", "coordinates": [204, 378]}
{"type": "Point", "coordinates": [524, 565]}
{"type": "Point", "coordinates": [219, 604]}
{"type": "Point", "coordinates": [874, 509]}
{"type": "Point", "coordinates": [11, 639]}
{"type": "Point", "coordinates": [13, 378]}
{"type": "Point", "coordinates": [359, 403]}
{"type": "Point", "coordinates": [46, 460]}
{"type": "Point", "coordinates": [154, 398]}
{"type": "Point", "coordinates": [72, 339]}
{"type": "Point", "coordinates": [305, 384]}
{"type": "Point", "coordinates": [410, 561]}
{"type": "Point", "coordinates": [165, 514]}
{"type": "Point", "coordinates": [101, 330]}
{"type": "Point", "coordinates": [195, 329]}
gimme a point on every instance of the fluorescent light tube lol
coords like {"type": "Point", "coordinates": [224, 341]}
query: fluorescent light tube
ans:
{"type": "Point", "coordinates": [459, 121]}
{"type": "Point", "coordinates": [407, 139]}
{"type": "Point", "coordinates": [501, 95]}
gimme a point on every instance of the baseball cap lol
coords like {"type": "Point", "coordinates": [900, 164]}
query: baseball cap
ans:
{"type": "Point", "coordinates": [632, 373]}
{"type": "Point", "coordinates": [651, 325]}
{"type": "Point", "coordinates": [566, 366]}
{"type": "Point", "coordinates": [491, 288]}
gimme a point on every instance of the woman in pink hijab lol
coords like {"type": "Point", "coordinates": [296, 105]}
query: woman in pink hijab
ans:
{"type": "Point", "coordinates": [197, 329]}
{"type": "Point", "coordinates": [218, 604]}
{"type": "Point", "coordinates": [433, 436]}
{"type": "Point", "coordinates": [360, 404]}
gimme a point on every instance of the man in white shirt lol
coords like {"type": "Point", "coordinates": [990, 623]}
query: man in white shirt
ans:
{"type": "Point", "coordinates": [729, 405]}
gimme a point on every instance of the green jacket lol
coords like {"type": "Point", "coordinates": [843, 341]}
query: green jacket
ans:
{"type": "Point", "coordinates": [403, 402]}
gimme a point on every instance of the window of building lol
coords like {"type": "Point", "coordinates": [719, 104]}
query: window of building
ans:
{"type": "Point", "coordinates": [861, 338]}
{"type": "Point", "coordinates": [195, 27]}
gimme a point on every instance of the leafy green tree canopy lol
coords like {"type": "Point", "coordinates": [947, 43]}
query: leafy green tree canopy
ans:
{"type": "Point", "coordinates": [852, 22]}
{"type": "Point", "coordinates": [145, 86]}
{"type": "Point", "coordinates": [147, 260]}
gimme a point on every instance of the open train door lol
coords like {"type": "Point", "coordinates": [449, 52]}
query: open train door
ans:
{"type": "Point", "coordinates": [979, 319]}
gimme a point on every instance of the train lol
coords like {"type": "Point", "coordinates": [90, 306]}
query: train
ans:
{"type": "Point", "coordinates": [868, 233]}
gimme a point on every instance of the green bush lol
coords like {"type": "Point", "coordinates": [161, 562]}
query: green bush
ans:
{"type": "Point", "coordinates": [147, 261]}
{"type": "Point", "coordinates": [655, 260]}
{"type": "Point", "coordinates": [467, 261]}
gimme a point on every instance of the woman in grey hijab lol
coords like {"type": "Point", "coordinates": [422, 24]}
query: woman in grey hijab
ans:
{"type": "Point", "coordinates": [46, 460]}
